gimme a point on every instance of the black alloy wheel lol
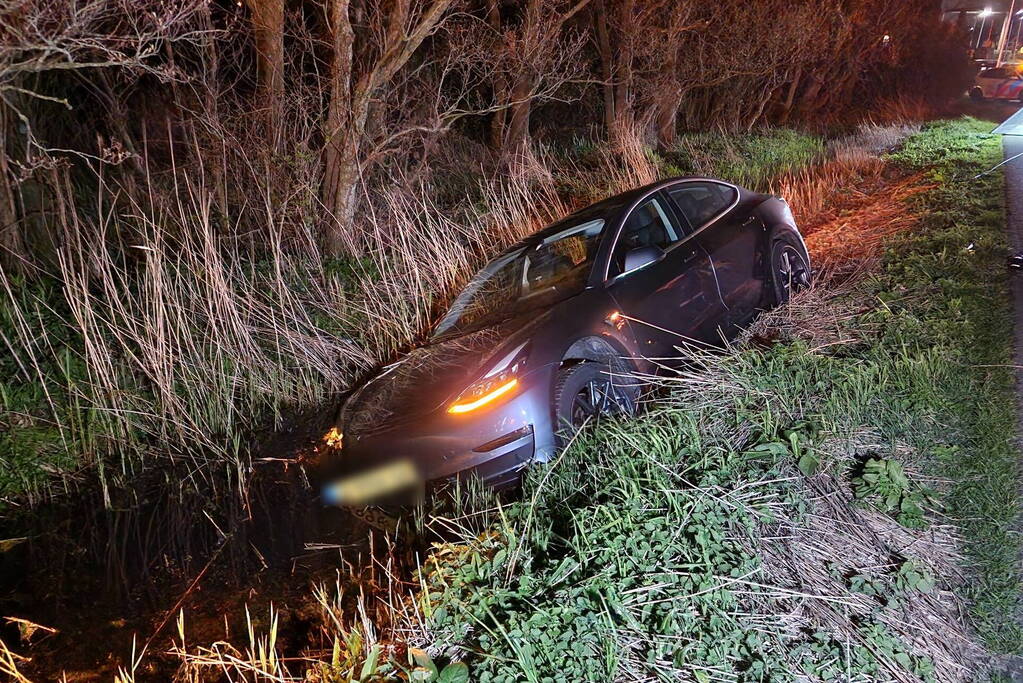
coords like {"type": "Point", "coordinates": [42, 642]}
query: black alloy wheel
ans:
{"type": "Point", "coordinates": [588, 391]}
{"type": "Point", "coordinates": [790, 268]}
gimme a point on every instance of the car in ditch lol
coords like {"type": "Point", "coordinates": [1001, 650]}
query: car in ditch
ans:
{"type": "Point", "coordinates": [558, 330]}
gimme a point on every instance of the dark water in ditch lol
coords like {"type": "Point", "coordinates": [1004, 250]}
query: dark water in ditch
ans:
{"type": "Point", "coordinates": [102, 575]}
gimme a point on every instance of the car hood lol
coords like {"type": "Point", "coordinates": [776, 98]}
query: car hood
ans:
{"type": "Point", "coordinates": [430, 376]}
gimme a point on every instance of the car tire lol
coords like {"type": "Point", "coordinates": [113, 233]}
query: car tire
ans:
{"type": "Point", "coordinates": [579, 387]}
{"type": "Point", "coordinates": [976, 94]}
{"type": "Point", "coordinates": [790, 266]}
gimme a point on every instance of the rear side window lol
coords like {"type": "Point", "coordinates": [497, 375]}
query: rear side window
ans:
{"type": "Point", "coordinates": [700, 202]}
{"type": "Point", "coordinates": [995, 73]}
{"type": "Point", "coordinates": [647, 226]}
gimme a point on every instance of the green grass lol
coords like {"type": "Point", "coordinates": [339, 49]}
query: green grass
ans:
{"type": "Point", "coordinates": [751, 159]}
{"type": "Point", "coordinates": [42, 431]}
{"type": "Point", "coordinates": [633, 560]}
{"type": "Point", "coordinates": [965, 310]}
{"type": "Point", "coordinates": [651, 549]}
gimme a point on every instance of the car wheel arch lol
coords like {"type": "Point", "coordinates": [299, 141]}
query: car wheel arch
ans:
{"type": "Point", "coordinates": [776, 229]}
{"type": "Point", "coordinates": [598, 349]}
{"type": "Point", "coordinates": [595, 348]}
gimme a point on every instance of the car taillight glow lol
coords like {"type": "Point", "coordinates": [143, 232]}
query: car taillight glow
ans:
{"type": "Point", "coordinates": [480, 395]}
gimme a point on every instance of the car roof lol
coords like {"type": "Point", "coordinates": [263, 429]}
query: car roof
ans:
{"type": "Point", "coordinates": [610, 207]}
{"type": "Point", "coordinates": [607, 206]}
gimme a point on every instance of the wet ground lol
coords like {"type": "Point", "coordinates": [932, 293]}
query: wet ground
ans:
{"type": "Point", "coordinates": [110, 579]}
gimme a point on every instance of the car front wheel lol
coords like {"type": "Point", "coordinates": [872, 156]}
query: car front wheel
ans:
{"type": "Point", "coordinates": [976, 94]}
{"type": "Point", "coordinates": [790, 267]}
{"type": "Point", "coordinates": [588, 391]}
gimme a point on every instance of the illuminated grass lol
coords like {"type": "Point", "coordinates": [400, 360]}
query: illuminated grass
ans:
{"type": "Point", "coordinates": [962, 311]}
{"type": "Point", "coordinates": [674, 546]}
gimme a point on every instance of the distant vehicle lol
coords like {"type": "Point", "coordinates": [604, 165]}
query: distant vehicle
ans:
{"type": "Point", "coordinates": [553, 332]}
{"type": "Point", "coordinates": [999, 83]}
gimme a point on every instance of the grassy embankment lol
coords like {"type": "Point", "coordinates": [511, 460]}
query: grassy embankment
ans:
{"type": "Point", "coordinates": [760, 521]}
{"type": "Point", "coordinates": [798, 506]}
{"type": "Point", "coordinates": [794, 508]}
{"type": "Point", "coordinates": [176, 349]}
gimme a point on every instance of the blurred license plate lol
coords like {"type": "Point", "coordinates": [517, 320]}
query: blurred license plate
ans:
{"type": "Point", "coordinates": [371, 485]}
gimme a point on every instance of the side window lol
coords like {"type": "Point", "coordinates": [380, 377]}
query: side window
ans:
{"type": "Point", "coordinates": [994, 73]}
{"type": "Point", "coordinates": [647, 226]}
{"type": "Point", "coordinates": [700, 202]}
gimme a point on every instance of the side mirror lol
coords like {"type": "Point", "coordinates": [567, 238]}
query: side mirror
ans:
{"type": "Point", "coordinates": [641, 257]}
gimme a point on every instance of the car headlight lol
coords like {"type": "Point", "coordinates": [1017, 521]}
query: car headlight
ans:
{"type": "Point", "coordinates": [500, 381]}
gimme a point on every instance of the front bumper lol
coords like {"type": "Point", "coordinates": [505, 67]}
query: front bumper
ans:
{"type": "Point", "coordinates": [493, 442]}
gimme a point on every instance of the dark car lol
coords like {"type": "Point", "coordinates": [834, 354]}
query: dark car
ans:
{"type": "Point", "coordinates": [555, 329]}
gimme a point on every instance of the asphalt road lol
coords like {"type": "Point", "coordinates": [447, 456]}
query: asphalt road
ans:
{"type": "Point", "coordinates": [1012, 146]}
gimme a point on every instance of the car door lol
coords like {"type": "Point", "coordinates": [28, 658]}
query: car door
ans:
{"type": "Point", "coordinates": [672, 300]}
{"type": "Point", "coordinates": [730, 241]}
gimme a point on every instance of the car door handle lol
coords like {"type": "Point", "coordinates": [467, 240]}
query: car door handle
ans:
{"type": "Point", "coordinates": [687, 255]}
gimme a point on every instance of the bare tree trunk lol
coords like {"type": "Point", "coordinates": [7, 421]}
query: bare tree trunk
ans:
{"type": "Point", "coordinates": [790, 97]}
{"type": "Point", "coordinates": [667, 122]}
{"type": "Point", "coordinates": [12, 251]}
{"type": "Point", "coordinates": [761, 107]}
{"type": "Point", "coordinates": [606, 65]}
{"type": "Point", "coordinates": [809, 96]}
{"type": "Point", "coordinates": [218, 161]}
{"type": "Point", "coordinates": [667, 104]}
{"type": "Point", "coordinates": [623, 75]}
{"type": "Point", "coordinates": [517, 136]}
{"type": "Point", "coordinates": [350, 102]}
{"type": "Point", "coordinates": [500, 117]}
{"type": "Point", "coordinates": [340, 172]}
{"type": "Point", "coordinates": [268, 28]}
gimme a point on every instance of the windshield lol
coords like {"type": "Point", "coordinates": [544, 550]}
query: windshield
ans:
{"type": "Point", "coordinates": [536, 275]}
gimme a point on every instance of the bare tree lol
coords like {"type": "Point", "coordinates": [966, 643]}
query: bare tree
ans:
{"type": "Point", "coordinates": [397, 29]}
{"type": "Point", "coordinates": [268, 31]}
{"type": "Point", "coordinates": [535, 55]}
{"type": "Point", "coordinates": [62, 39]}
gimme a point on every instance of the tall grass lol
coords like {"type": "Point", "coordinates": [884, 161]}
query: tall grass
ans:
{"type": "Point", "coordinates": [784, 511]}
{"type": "Point", "coordinates": [161, 332]}
{"type": "Point", "coordinates": [181, 342]}
{"type": "Point", "coordinates": [168, 336]}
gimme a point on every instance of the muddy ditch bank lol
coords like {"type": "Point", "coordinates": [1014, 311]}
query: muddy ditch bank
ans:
{"type": "Point", "coordinates": [82, 584]}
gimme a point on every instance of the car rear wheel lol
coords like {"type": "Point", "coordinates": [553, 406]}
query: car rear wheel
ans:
{"type": "Point", "coordinates": [790, 267]}
{"type": "Point", "coordinates": [588, 391]}
{"type": "Point", "coordinates": [976, 94]}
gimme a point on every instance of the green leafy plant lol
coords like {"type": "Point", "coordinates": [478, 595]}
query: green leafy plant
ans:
{"type": "Point", "coordinates": [426, 671]}
{"type": "Point", "coordinates": [884, 482]}
{"type": "Point", "coordinates": [911, 576]}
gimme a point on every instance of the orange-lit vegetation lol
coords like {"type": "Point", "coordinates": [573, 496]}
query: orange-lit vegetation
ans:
{"type": "Point", "coordinates": [215, 214]}
{"type": "Point", "coordinates": [271, 195]}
